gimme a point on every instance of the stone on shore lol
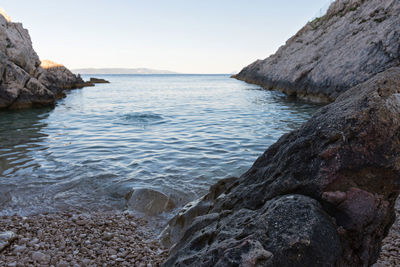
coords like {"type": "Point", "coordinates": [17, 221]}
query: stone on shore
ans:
{"type": "Point", "coordinates": [322, 195]}
{"type": "Point", "coordinates": [354, 41]}
{"type": "Point", "coordinates": [149, 201]}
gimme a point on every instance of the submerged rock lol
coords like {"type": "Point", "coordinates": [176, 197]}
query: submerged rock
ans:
{"type": "Point", "coordinates": [148, 201]}
{"type": "Point", "coordinates": [25, 81]}
{"type": "Point", "coordinates": [354, 41]}
{"type": "Point", "coordinates": [322, 195]}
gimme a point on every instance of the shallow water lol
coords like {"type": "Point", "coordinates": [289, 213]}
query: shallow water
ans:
{"type": "Point", "coordinates": [177, 134]}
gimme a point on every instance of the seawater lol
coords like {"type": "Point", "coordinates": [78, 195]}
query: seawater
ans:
{"type": "Point", "coordinates": [177, 134]}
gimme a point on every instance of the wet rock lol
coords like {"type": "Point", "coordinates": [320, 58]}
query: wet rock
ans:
{"type": "Point", "coordinates": [148, 201]}
{"type": "Point", "coordinates": [322, 195]}
{"type": "Point", "coordinates": [354, 41]}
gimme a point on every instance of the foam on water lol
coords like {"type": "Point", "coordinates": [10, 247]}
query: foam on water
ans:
{"type": "Point", "coordinates": [177, 134]}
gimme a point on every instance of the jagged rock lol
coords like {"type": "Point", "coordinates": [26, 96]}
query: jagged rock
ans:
{"type": "Point", "coordinates": [149, 201]}
{"type": "Point", "coordinates": [176, 227]}
{"type": "Point", "coordinates": [57, 77]}
{"type": "Point", "coordinates": [322, 195]}
{"type": "Point", "coordinates": [354, 41]}
{"type": "Point", "coordinates": [24, 82]}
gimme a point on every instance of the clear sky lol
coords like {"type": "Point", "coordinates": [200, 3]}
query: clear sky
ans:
{"type": "Point", "coordinates": [207, 36]}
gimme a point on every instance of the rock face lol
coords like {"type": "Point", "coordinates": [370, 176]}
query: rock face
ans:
{"type": "Point", "coordinates": [57, 77]}
{"type": "Point", "coordinates": [24, 82]}
{"type": "Point", "coordinates": [322, 195]}
{"type": "Point", "coordinates": [355, 40]}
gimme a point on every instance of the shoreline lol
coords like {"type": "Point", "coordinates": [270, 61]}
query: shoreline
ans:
{"type": "Point", "coordinates": [75, 238]}
{"type": "Point", "coordinates": [80, 239]}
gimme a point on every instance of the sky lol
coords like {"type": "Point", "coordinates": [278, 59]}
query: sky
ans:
{"type": "Point", "coordinates": [208, 36]}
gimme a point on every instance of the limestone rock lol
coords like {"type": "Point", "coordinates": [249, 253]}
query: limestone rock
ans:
{"type": "Point", "coordinates": [148, 201]}
{"type": "Point", "coordinates": [354, 41]}
{"type": "Point", "coordinates": [24, 82]}
{"type": "Point", "coordinates": [57, 77]}
{"type": "Point", "coordinates": [322, 195]}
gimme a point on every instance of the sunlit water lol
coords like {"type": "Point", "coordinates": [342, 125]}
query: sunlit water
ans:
{"type": "Point", "coordinates": [177, 134]}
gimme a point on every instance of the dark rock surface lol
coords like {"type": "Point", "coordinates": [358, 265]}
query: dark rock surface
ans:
{"type": "Point", "coordinates": [25, 81]}
{"type": "Point", "coordinates": [322, 195]}
{"type": "Point", "coordinates": [354, 41]}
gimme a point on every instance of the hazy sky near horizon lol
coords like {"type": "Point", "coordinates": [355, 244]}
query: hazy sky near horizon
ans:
{"type": "Point", "coordinates": [189, 36]}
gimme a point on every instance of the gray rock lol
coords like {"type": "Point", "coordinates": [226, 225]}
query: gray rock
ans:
{"type": "Point", "coordinates": [25, 81]}
{"type": "Point", "coordinates": [354, 41]}
{"type": "Point", "coordinates": [149, 201]}
{"type": "Point", "coordinates": [322, 195]}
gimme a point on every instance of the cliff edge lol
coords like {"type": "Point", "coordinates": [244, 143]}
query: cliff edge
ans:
{"type": "Point", "coordinates": [354, 41]}
{"type": "Point", "coordinates": [24, 81]}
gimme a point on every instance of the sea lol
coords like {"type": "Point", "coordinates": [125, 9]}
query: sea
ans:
{"type": "Point", "coordinates": [177, 134]}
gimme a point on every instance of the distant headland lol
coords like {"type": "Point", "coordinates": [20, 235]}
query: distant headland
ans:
{"type": "Point", "coordinates": [122, 71]}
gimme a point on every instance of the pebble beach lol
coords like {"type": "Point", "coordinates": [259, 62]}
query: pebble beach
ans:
{"type": "Point", "coordinates": [79, 239]}
{"type": "Point", "coordinates": [108, 239]}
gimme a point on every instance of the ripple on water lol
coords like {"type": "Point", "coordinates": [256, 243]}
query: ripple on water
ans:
{"type": "Point", "coordinates": [143, 118]}
{"type": "Point", "coordinates": [176, 134]}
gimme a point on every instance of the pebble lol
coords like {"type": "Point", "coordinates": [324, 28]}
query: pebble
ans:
{"type": "Point", "coordinates": [69, 239]}
{"type": "Point", "coordinates": [38, 256]}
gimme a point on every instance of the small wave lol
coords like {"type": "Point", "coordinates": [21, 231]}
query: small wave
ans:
{"type": "Point", "coordinates": [143, 118]}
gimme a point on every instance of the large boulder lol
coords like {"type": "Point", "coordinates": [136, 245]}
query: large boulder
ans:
{"type": "Point", "coordinates": [24, 80]}
{"type": "Point", "coordinates": [322, 195]}
{"type": "Point", "coordinates": [354, 41]}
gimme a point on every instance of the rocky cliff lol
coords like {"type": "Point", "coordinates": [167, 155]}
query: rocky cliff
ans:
{"type": "Point", "coordinates": [323, 195]}
{"type": "Point", "coordinates": [354, 41]}
{"type": "Point", "coordinates": [24, 82]}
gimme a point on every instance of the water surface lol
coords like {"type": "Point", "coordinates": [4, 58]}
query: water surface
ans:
{"type": "Point", "coordinates": [178, 134]}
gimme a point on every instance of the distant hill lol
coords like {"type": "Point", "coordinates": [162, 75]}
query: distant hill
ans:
{"type": "Point", "coordinates": [121, 71]}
